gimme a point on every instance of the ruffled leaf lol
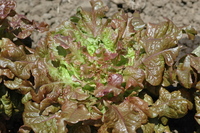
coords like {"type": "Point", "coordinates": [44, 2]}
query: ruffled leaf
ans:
{"type": "Point", "coordinates": [197, 51]}
{"type": "Point", "coordinates": [171, 105]}
{"type": "Point", "coordinates": [125, 117]}
{"type": "Point", "coordinates": [73, 112]}
{"type": "Point", "coordinates": [38, 123]}
{"type": "Point", "coordinates": [113, 86]}
{"type": "Point", "coordinates": [15, 26]}
{"type": "Point", "coordinates": [7, 104]}
{"type": "Point", "coordinates": [195, 63]}
{"type": "Point", "coordinates": [23, 86]}
{"type": "Point", "coordinates": [190, 31]}
{"type": "Point", "coordinates": [6, 7]}
{"type": "Point", "coordinates": [7, 73]}
{"type": "Point", "coordinates": [154, 69]}
{"type": "Point", "coordinates": [164, 29]}
{"type": "Point", "coordinates": [197, 104]}
{"type": "Point", "coordinates": [133, 77]}
{"type": "Point", "coordinates": [155, 128]}
{"type": "Point", "coordinates": [184, 73]}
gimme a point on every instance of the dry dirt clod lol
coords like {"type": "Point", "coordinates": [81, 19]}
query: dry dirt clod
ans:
{"type": "Point", "coordinates": [132, 4]}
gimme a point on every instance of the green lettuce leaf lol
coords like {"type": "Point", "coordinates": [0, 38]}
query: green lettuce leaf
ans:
{"type": "Point", "coordinates": [7, 104]}
{"type": "Point", "coordinates": [197, 104]}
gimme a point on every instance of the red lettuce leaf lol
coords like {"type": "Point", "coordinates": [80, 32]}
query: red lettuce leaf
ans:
{"type": "Point", "coordinates": [171, 105]}
{"type": "Point", "coordinates": [14, 26]}
{"type": "Point", "coordinates": [38, 123]}
{"type": "Point", "coordinates": [133, 77]}
{"type": "Point", "coordinates": [73, 112]}
{"type": "Point", "coordinates": [184, 73]}
{"type": "Point", "coordinates": [113, 86]}
{"type": "Point", "coordinates": [125, 117]}
{"type": "Point", "coordinates": [6, 7]}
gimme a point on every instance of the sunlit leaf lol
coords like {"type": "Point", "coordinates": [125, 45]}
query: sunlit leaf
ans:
{"type": "Point", "coordinates": [171, 105]}
{"type": "Point", "coordinates": [124, 118]}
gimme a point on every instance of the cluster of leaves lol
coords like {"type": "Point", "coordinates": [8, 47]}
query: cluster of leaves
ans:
{"type": "Point", "coordinates": [98, 74]}
{"type": "Point", "coordinates": [15, 31]}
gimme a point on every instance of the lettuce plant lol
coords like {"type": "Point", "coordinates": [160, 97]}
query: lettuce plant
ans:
{"type": "Point", "coordinates": [15, 30]}
{"type": "Point", "coordinates": [99, 74]}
